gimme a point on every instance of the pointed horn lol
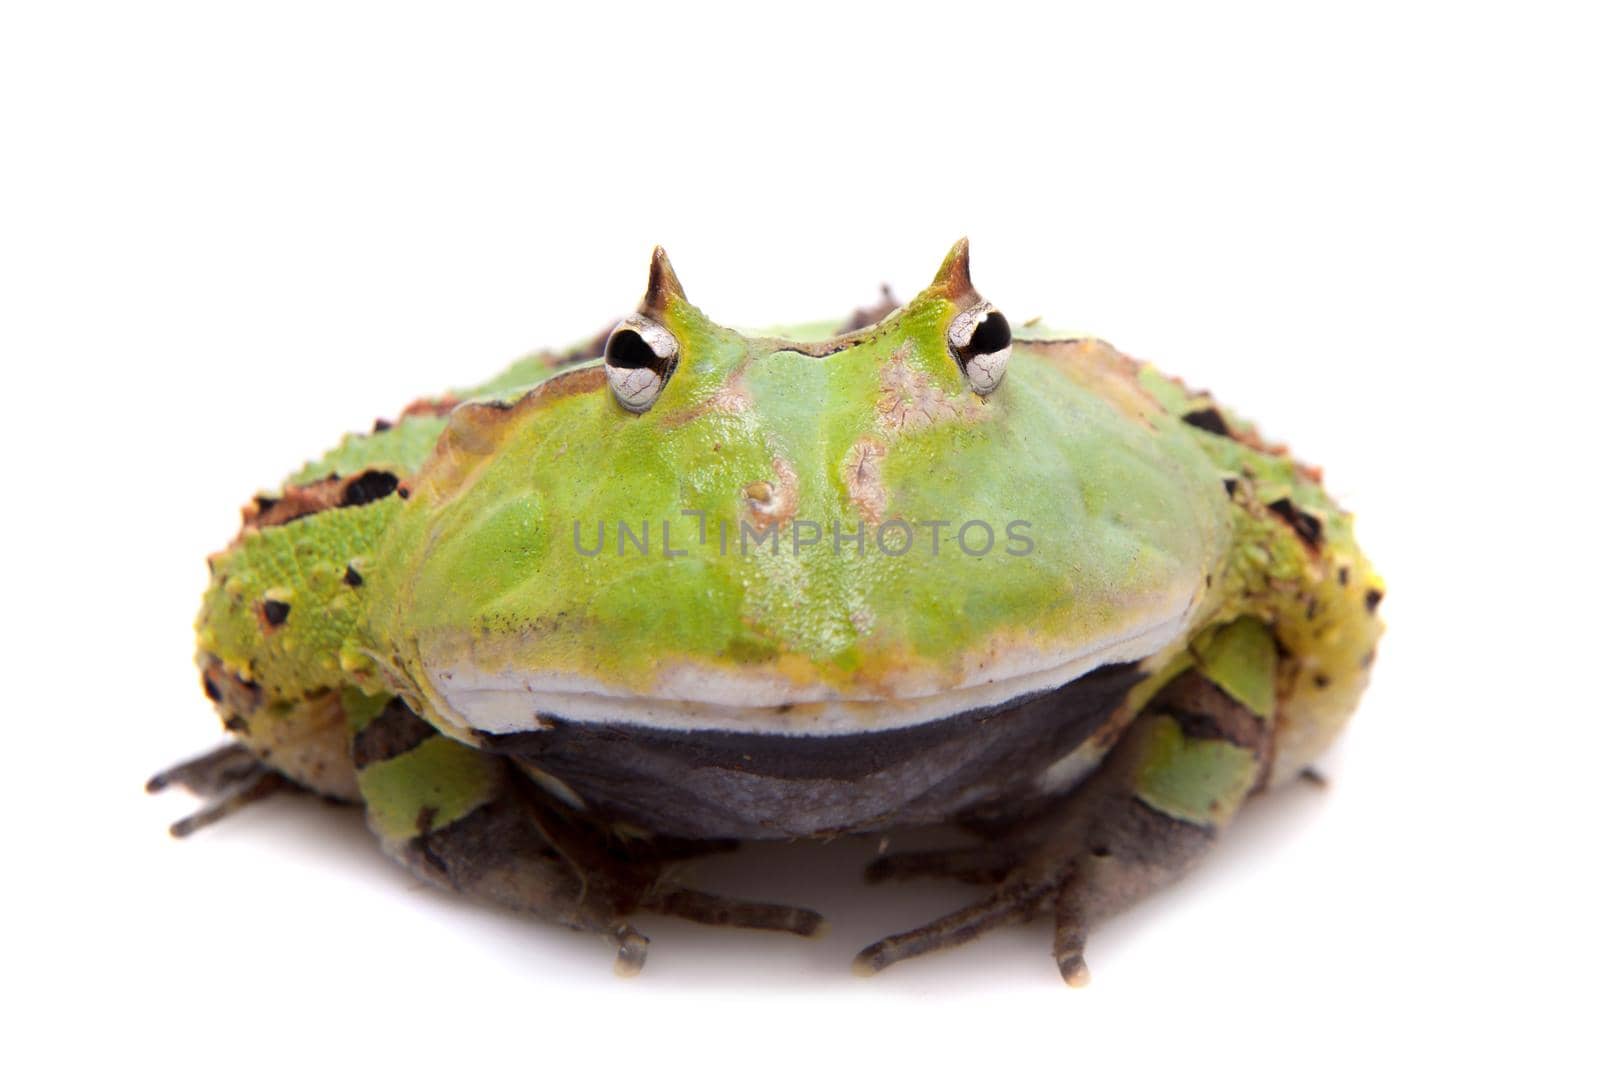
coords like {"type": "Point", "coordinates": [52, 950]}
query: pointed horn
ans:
{"type": "Point", "coordinates": [955, 275]}
{"type": "Point", "coordinates": [663, 286]}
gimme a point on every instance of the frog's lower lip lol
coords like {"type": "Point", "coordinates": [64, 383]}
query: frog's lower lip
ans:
{"type": "Point", "coordinates": [711, 698]}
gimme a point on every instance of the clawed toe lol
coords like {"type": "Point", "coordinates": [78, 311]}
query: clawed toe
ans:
{"type": "Point", "coordinates": [232, 775]}
{"type": "Point", "coordinates": [713, 910]}
{"type": "Point", "coordinates": [208, 775]}
{"type": "Point", "coordinates": [632, 947]}
{"type": "Point", "coordinates": [1012, 904]}
{"type": "Point", "coordinates": [1069, 942]}
{"type": "Point", "coordinates": [1018, 901]}
{"type": "Point", "coordinates": [261, 783]}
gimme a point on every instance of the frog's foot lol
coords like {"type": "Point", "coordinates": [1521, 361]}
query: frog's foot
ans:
{"type": "Point", "coordinates": [231, 777]}
{"type": "Point", "coordinates": [1175, 778]}
{"type": "Point", "coordinates": [516, 851]}
{"type": "Point", "coordinates": [471, 821]}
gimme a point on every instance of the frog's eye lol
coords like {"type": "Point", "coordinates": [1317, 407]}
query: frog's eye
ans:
{"type": "Point", "coordinates": [980, 341]}
{"type": "Point", "coordinates": [641, 355]}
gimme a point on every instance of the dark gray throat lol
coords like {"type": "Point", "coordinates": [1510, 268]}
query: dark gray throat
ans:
{"type": "Point", "coordinates": [721, 783]}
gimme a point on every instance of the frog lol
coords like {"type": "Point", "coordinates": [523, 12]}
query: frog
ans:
{"type": "Point", "coordinates": [678, 587]}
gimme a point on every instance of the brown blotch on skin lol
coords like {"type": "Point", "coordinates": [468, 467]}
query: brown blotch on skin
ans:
{"type": "Point", "coordinates": [425, 819]}
{"type": "Point", "coordinates": [475, 430]}
{"type": "Point", "coordinates": [1251, 438]}
{"type": "Point", "coordinates": [908, 398]}
{"type": "Point", "coordinates": [1205, 713]}
{"type": "Point", "coordinates": [1246, 435]}
{"type": "Point", "coordinates": [773, 503]}
{"type": "Point", "coordinates": [1306, 526]}
{"type": "Point", "coordinates": [442, 405]}
{"type": "Point", "coordinates": [382, 426]}
{"type": "Point", "coordinates": [863, 478]}
{"type": "Point", "coordinates": [367, 487]}
{"type": "Point", "coordinates": [241, 698]}
{"type": "Point", "coordinates": [352, 577]}
{"type": "Point", "coordinates": [1374, 598]}
{"type": "Point", "coordinates": [1210, 420]}
{"type": "Point", "coordinates": [396, 731]}
{"type": "Point", "coordinates": [274, 612]}
{"type": "Point", "coordinates": [299, 501]}
{"type": "Point", "coordinates": [731, 399]}
{"type": "Point", "coordinates": [572, 383]}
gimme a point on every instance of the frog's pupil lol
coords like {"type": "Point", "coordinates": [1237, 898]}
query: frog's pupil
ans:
{"type": "Point", "coordinates": [992, 334]}
{"type": "Point", "coordinates": [628, 351]}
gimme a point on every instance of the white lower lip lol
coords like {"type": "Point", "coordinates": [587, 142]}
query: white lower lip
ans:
{"type": "Point", "coordinates": [511, 701]}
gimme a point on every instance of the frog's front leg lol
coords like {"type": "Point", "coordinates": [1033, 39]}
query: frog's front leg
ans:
{"type": "Point", "coordinates": [1176, 777]}
{"type": "Point", "coordinates": [470, 821]}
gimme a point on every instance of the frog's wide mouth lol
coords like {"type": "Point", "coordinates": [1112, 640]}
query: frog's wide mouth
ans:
{"type": "Point", "coordinates": [701, 697]}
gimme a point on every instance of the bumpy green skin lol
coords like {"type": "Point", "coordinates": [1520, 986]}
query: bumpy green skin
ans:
{"type": "Point", "coordinates": [471, 560]}
{"type": "Point", "coordinates": [1318, 598]}
{"type": "Point", "coordinates": [293, 690]}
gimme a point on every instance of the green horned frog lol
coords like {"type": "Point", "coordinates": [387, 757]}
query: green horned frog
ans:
{"type": "Point", "coordinates": [678, 586]}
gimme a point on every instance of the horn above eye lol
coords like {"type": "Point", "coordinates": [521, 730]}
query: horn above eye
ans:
{"type": "Point", "coordinates": [980, 342]}
{"type": "Point", "coordinates": [641, 355]}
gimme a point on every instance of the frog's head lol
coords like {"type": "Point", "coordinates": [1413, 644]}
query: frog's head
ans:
{"type": "Point", "coordinates": [813, 533]}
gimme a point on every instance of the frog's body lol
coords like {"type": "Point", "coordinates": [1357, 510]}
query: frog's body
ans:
{"type": "Point", "coordinates": [680, 584]}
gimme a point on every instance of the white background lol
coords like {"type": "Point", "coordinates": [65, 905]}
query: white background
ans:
{"type": "Point", "coordinates": [231, 233]}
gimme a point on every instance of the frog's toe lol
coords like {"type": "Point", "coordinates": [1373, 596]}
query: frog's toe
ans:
{"type": "Point", "coordinates": [262, 784]}
{"type": "Point", "coordinates": [210, 773]}
{"type": "Point", "coordinates": [1176, 777]}
{"type": "Point", "coordinates": [1071, 935]}
{"type": "Point", "coordinates": [1077, 887]}
{"type": "Point", "coordinates": [632, 947]}
{"type": "Point", "coordinates": [1014, 902]}
{"type": "Point", "coordinates": [231, 777]}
